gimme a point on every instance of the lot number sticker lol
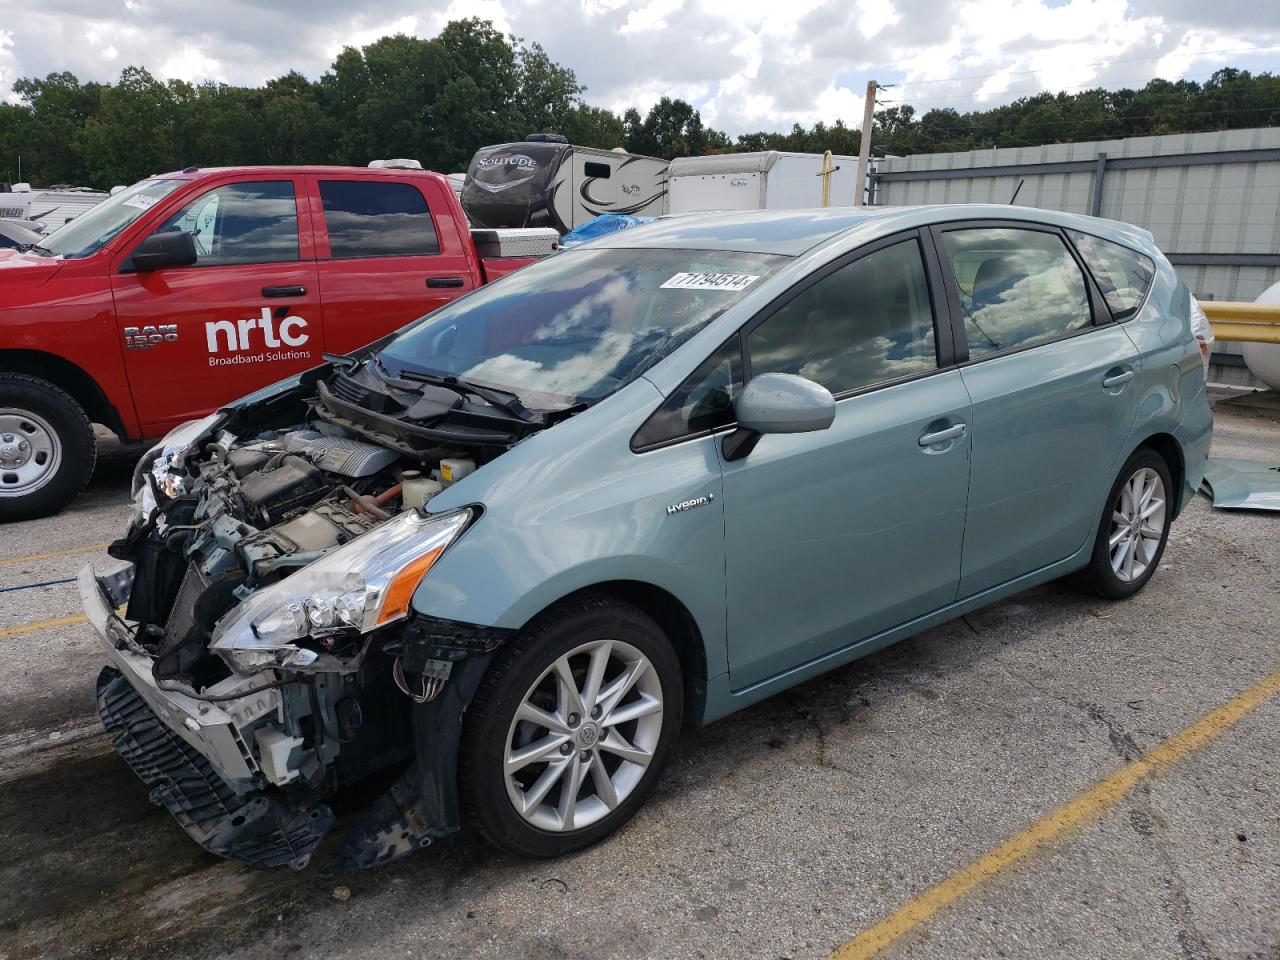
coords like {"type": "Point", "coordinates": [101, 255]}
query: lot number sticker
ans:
{"type": "Point", "coordinates": [142, 201]}
{"type": "Point", "coordinates": [734, 282]}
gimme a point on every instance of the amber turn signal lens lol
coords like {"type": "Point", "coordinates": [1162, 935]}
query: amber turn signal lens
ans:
{"type": "Point", "coordinates": [400, 589]}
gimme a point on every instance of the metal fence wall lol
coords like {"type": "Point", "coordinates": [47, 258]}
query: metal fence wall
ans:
{"type": "Point", "coordinates": [1212, 200]}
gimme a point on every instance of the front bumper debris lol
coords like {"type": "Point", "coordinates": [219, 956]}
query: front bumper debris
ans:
{"type": "Point", "coordinates": [254, 828]}
{"type": "Point", "coordinates": [208, 728]}
{"type": "Point", "coordinates": [190, 752]}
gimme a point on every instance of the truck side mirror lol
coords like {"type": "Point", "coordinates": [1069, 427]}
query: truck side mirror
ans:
{"type": "Point", "coordinates": [778, 403]}
{"type": "Point", "coordinates": [173, 248]}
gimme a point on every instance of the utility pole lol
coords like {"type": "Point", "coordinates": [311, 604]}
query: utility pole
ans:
{"type": "Point", "coordinates": [864, 148]}
{"type": "Point", "coordinates": [828, 168]}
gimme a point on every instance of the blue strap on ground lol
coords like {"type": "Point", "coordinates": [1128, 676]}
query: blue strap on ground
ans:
{"type": "Point", "coordinates": [42, 583]}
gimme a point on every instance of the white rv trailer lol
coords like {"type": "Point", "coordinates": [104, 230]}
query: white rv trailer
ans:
{"type": "Point", "coordinates": [48, 208]}
{"type": "Point", "coordinates": [544, 181]}
{"type": "Point", "coordinates": [769, 180]}
{"type": "Point", "coordinates": [53, 208]}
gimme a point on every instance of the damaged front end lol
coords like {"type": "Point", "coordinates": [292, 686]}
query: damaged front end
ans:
{"type": "Point", "coordinates": [265, 656]}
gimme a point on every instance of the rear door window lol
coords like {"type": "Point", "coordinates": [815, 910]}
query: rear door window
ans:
{"type": "Point", "coordinates": [372, 218]}
{"type": "Point", "coordinates": [1017, 287]}
{"type": "Point", "coordinates": [241, 223]}
{"type": "Point", "coordinates": [1124, 276]}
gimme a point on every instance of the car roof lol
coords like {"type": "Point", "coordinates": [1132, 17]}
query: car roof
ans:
{"type": "Point", "coordinates": [793, 232]}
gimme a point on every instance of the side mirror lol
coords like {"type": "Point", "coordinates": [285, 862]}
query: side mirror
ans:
{"type": "Point", "coordinates": [778, 403]}
{"type": "Point", "coordinates": [173, 248]}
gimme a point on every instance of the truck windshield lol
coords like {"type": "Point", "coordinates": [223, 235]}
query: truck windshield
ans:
{"type": "Point", "coordinates": [579, 325]}
{"type": "Point", "coordinates": [90, 231]}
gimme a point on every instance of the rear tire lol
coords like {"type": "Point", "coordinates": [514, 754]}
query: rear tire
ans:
{"type": "Point", "coordinates": [1133, 529]}
{"type": "Point", "coordinates": [609, 750]}
{"type": "Point", "coordinates": [47, 448]}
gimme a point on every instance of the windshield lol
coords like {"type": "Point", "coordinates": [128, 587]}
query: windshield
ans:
{"type": "Point", "coordinates": [88, 232]}
{"type": "Point", "coordinates": [579, 325]}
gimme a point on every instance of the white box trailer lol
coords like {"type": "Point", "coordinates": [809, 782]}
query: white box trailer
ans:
{"type": "Point", "coordinates": [769, 180]}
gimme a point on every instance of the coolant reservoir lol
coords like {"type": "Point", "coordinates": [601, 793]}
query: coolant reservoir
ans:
{"type": "Point", "coordinates": [416, 490]}
{"type": "Point", "coordinates": [451, 471]}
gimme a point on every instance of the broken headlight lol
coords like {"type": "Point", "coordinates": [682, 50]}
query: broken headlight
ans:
{"type": "Point", "coordinates": [164, 462]}
{"type": "Point", "coordinates": [365, 584]}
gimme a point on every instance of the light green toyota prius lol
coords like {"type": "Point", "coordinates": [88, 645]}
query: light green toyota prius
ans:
{"type": "Point", "coordinates": [485, 568]}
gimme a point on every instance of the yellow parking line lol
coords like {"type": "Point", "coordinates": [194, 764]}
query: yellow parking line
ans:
{"type": "Point", "coordinates": [33, 627]}
{"type": "Point", "coordinates": [1083, 809]}
{"type": "Point", "coordinates": [71, 551]}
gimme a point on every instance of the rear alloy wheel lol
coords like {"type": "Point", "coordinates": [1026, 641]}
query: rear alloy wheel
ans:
{"type": "Point", "coordinates": [1137, 525]}
{"type": "Point", "coordinates": [1134, 528]}
{"type": "Point", "coordinates": [571, 729]}
{"type": "Point", "coordinates": [47, 449]}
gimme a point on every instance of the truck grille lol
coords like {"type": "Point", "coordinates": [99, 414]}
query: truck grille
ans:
{"type": "Point", "coordinates": [255, 828]}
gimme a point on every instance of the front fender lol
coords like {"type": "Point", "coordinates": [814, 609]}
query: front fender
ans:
{"type": "Point", "coordinates": [573, 507]}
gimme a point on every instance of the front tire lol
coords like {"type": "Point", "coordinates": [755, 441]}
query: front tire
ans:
{"type": "Point", "coordinates": [570, 729]}
{"type": "Point", "coordinates": [47, 448]}
{"type": "Point", "coordinates": [1134, 527]}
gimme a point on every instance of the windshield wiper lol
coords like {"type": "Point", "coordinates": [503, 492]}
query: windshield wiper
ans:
{"type": "Point", "coordinates": [36, 248]}
{"type": "Point", "coordinates": [501, 399]}
{"type": "Point", "coordinates": [348, 363]}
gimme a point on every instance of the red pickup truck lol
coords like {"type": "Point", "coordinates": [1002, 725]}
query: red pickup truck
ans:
{"type": "Point", "coordinates": [190, 289]}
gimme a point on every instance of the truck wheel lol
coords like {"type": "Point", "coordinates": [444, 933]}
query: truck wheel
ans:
{"type": "Point", "coordinates": [47, 448]}
{"type": "Point", "coordinates": [570, 728]}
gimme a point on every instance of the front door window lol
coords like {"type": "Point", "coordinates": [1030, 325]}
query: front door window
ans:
{"type": "Point", "coordinates": [869, 322]}
{"type": "Point", "coordinates": [240, 223]}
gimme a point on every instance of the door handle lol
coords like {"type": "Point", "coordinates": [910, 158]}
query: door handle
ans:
{"type": "Point", "coordinates": [293, 291]}
{"type": "Point", "coordinates": [1117, 379]}
{"type": "Point", "coordinates": [445, 281]}
{"type": "Point", "coordinates": [942, 436]}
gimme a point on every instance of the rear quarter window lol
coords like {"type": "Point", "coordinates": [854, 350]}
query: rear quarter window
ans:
{"type": "Point", "coordinates": [1123, 275]}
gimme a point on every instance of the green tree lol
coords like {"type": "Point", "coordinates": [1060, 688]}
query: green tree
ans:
{"type": "Point", "coordinates": [440, 99]}
{"type": "Point", "coordinates": [14, 121]}
{"type": "Point", "coordinates": [479, 102]}
{"type": "Point", "coordinates": [672, 128]}
{"type": "Point", "coordinates": [135, 132]}
{"type": "Point", "coordinates": [57, 108]}
{"type": "Point", "coordinates": [293, 126]}
{"type": "Point", "coordinates": [382, 97]}
{"type": "Point", "coordinates": [589, 126]}
{"type": "Point", "coordinates": [547, 94]}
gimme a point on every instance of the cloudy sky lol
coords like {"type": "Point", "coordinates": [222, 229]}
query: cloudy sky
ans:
{"type": "Point", "coordinates": [747, 64]}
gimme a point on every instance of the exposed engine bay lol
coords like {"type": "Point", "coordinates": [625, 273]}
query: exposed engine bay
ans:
{"type": "Point", "coordinates": [268, 655]}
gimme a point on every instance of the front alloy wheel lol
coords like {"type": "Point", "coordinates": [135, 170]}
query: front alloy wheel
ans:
{"type": "Point", "coordinates": [570, 728]}
{"type": "Point", "coordinates": [583, 736]}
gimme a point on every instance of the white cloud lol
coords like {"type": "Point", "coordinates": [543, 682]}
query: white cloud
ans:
{"type": "Point", "coordinates": [192, 64]}
{"type": "Point", "coordinates": [749, 65]}
{"type": "Point", "coordinates": [652, 16]}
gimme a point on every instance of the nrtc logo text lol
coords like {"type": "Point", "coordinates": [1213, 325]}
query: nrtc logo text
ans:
{"type": "Point", "coordinates": [226, 336]}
